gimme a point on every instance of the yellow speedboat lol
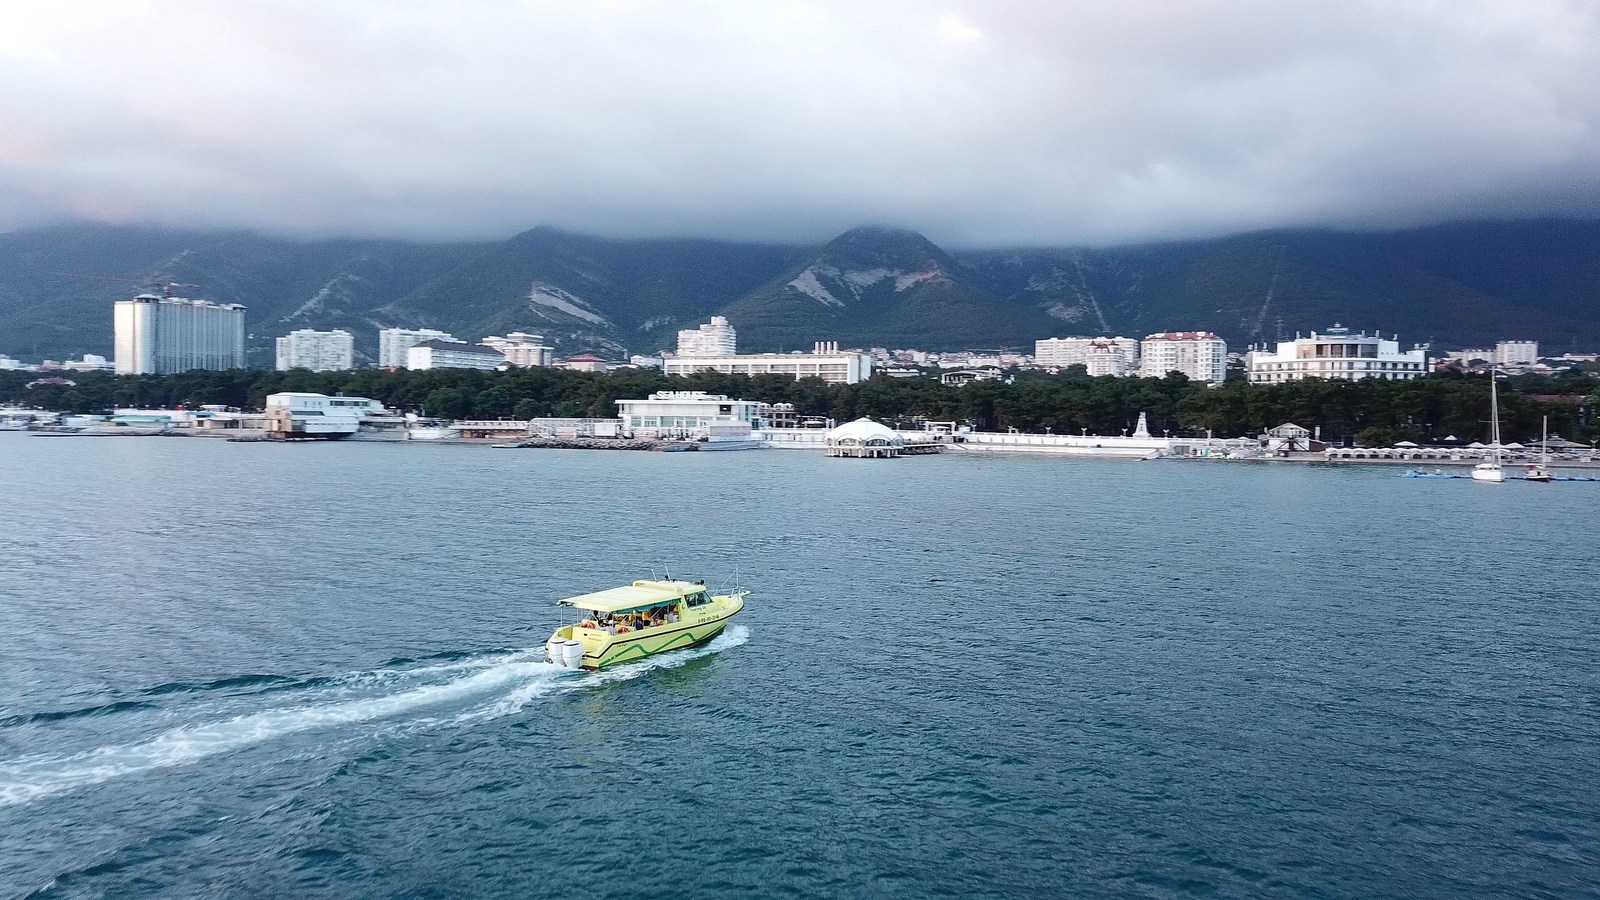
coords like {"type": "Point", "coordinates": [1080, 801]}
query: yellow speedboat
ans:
{"type": "Point", "coordinates": [645, 618]}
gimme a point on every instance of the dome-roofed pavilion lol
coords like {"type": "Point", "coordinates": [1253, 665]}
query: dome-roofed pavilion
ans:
{"type": "Point", "coordinates": [864, 438]}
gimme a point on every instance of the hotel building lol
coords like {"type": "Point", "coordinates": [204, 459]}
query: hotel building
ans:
{"type": "Point", "coordinates": [1335, 353]}
{"type": "Point", "coordinates": [160, 335]}
{"type": "Point", "coordinates": [319, 351]}
{"type": "Point", "coordinates": [715, 338]}
{"type": "Point", "coordinates": [522, 349]}
{"type": "Point", "coordinates": [394, 342]}
{"type": "Point", "coordinates": [441, 354]}
{"type": "Point", "coordinates": [1101, 355]}
{"type": "Point", "coordinates": [1200, 355]}
{"type": "Point", "coordinates": [827, 362]}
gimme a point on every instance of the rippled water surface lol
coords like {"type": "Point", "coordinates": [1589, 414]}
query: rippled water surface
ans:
{"type": "Point", "coordinates": [241, 670]}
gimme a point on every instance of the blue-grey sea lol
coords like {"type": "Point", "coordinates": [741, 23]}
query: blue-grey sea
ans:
{"type": "Point", "coordinates": [313, 670]}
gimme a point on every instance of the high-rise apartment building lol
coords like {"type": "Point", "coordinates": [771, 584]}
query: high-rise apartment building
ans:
{"type": "Point", "coordinates": [319, 351]}
{"type": "Point", "coordinates": [715, 338]}
{"type": "Point", "coordinates": [394, 342]}
{"type": "Point", "coordinates": [159, 335]}
{"type": "Point", "coordinates": [1200, 355]}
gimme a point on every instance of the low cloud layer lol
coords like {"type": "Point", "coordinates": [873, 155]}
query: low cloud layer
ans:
{"type": "Point", "coordinates": [979, 123]}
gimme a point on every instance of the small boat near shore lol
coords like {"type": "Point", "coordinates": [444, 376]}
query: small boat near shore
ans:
{"type": "Point", "coordinates": [642, 619]}
{"type": "Point", "coordinates": [1540, 471]}
{"type": "Point", "coordinates": [1491, 471]}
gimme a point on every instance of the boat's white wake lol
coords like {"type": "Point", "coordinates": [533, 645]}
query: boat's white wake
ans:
{"type": "Point", "coordinates": [492, 687]}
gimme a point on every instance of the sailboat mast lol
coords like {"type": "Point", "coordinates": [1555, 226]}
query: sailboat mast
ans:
{"type": "Point", "coordinates": [1494, 412]}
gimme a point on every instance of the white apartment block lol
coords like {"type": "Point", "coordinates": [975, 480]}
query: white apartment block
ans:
{"type": "Point", "coordinates": [319, 351]}
{"type": "Point", "coordinates": [394, 342]}
{"type": "Point", "coordinates": [1108, 359]}
{"type": "Point", "coordinates": [1516, 353]}
{"type": "Point", "coordinates": [442, 354]}
{"type": "Point", "coordinates": [522, 349]}
{"type": "Point", "coordinates": [1200, 355]}
{"type": "Point", "coordinates": [826, 362]}
{"type": "Point", "coordinates": [715, 338]}
{"type": "Point", "coordinates": [159, 335]}
{"type": "Point", "coordinates": [1074, 351]}
{"type": "Point", "coordinates": [1336, 353]}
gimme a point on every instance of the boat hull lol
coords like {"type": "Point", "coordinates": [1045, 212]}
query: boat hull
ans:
{"type": "Point", "coordinates": [602, 648]}
{"type": "Point", "coordinates": [715, 445]}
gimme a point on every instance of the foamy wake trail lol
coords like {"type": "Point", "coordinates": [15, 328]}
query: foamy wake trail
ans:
{"type": "Point", "coordinates": [501, 686]}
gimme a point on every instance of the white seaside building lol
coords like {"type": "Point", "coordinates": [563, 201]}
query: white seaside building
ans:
{"type": "Point", "coordinates": [441, 354]}
{"type": "Point", "coordinates": [1516, 353]}
{"type": "Point", "coordinates": [1200, 355]}
{"type": "Point", "coordinates": [159, 335]}
{"type": "Point", "coordinates": [394, 342]}
{"type": "Point", "coordinates": [522, 349]}
{"type": "Point", "coordinates": [683, 411]}
{"type": "Point", "coordinates": [1101, 355]}
{"type": "Point", "coordinates": [715, 338]}
{"type": "Point", "coordinates": [827, 362]}
{"type": "Point", "coordinates": [319, 351]}
{"type": "Point", "coordinates": [1335, 353]}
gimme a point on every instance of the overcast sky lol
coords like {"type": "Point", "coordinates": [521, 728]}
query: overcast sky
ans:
{"type": "Point", "coordinates": [978, 123]}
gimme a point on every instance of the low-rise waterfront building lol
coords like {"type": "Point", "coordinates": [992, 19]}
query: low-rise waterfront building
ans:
{"type": "Point", "coordinates": [967, 376]}
{"type": "Point", "coordinates": [1336, 353]}
{"type": "Point", "coordinates": [826, 362]}
{"type": "Point", "coordinates": [587, 362]}
{"type": "Point", "coordinates": [685, 412]}
{"type": "Point", "coordinates": [319, 351]}
{"type": "Point", "coordinates": [441, 354]}
{"type": "Point", "coordinates": [91, 362]}
{"type": "Point", "coordinates": [297, 414]}
{"type": "Point", "coordinates": [1200, 355]}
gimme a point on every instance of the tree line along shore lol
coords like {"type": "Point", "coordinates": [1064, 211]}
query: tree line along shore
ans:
{"type": "Point", "coordinates": [1371, 412]}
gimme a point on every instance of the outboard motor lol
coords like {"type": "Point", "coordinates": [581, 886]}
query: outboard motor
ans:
{"type": "Point", "coordinates": [572, 654]}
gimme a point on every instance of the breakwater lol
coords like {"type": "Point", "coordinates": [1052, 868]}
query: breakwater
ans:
{"type": "Point", "coordinates": [581, 443]}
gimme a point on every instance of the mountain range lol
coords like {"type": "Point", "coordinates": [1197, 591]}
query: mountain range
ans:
{"type": "Point", "coordinates": [1451, 285]}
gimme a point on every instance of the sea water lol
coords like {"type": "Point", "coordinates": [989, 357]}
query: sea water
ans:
{"type": "Point", "coordinates": [240, 670]}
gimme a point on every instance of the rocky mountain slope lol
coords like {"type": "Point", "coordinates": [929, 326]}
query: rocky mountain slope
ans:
{"type": "Point", "coordinates": [882, 285]}
{"type": "Point", "coordinates": [1454, 285]}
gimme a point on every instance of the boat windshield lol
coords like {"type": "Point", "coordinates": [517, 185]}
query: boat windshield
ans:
{"type": "Point", "coordinates": [631, 620]}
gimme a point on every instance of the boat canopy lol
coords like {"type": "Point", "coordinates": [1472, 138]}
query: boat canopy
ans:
{"type": "Point", "coordinates": [640, 595]}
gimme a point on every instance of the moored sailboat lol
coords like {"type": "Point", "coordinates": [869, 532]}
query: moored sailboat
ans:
{"type": "Point", "coordinates": [1491, 470]}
